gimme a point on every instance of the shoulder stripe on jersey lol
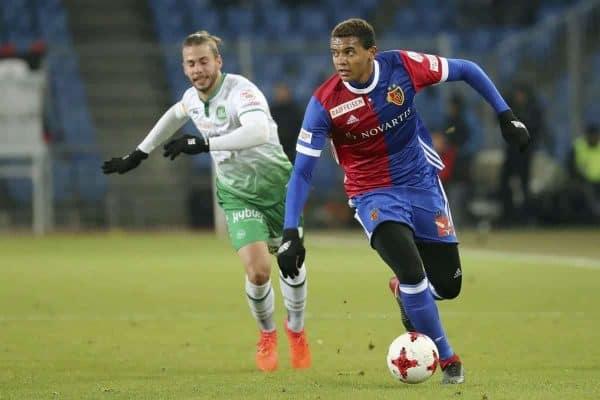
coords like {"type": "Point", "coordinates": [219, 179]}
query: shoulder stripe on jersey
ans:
{"type": "Point", "coordinates": [432, 157]}
{"type": "Point", "coordinates": [368, 88]}
{"type": "Point", "coordinates": [433, 162]}
{"type": "Point", "coordinates": [247, 111]}
{"type": "Point", "coordinates": [444, 69]}
{"type": "Point", "coordinates": [308, 151]}
{"type": "Point", "coordinates": [427, 148]}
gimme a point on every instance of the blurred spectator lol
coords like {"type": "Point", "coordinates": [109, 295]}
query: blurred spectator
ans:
{"type": "Point", "coordinates": [514, 13]}
{"type": "Point", "coordinates": [447, 152]}
{"type": "Point", "coordinates": [288, 116]}
{"type": "Point", "coordinates": [456, 158]}
{"type": "Point", "coordinates": [458, 132]}
{"type": "Point", "coordinates": [584, 168]}
{"type": "Point", "coordinates": [524, 104]}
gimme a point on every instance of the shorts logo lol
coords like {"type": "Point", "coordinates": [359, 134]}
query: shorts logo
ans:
{"type": "Point", "coordinates": [395, 95]}
{"type": "Point", "coordinates": [240, 234]}
{"type": "Point", "coordinates": [374, 215]}
{"type": "Point", "coordinates": [245, 214]}
{"type": "Point", "coordinates": [444, 226]}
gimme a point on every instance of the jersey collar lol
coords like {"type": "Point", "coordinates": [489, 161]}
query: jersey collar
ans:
{"type": "Point", "coordinates": [217, 90]}
{"type": "Point", "coordinates": [368, 88]}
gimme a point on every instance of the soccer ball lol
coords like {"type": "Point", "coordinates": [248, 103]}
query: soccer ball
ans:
{"type": "Point", "coordinates": [412, 357]}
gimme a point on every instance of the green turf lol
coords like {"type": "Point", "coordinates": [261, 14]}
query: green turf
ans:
{"type": "Point", "coordinates": [164, 316]}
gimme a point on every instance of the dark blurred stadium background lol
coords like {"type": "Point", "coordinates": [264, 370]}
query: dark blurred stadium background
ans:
{"type": "Point", "coordinates": [106, 70]}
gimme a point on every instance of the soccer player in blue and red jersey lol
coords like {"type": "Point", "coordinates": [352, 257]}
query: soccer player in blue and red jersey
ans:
{"type": "Point", "coordinates": [366, 111]}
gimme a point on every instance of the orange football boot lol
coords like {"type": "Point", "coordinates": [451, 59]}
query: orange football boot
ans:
{"type": "Point", "coordinates": [299, 350]}
{"type": "Point", "coordinates": [266, 351]}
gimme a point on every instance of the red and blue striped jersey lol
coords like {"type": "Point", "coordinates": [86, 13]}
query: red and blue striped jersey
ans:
{"type": "Point", "coordinates": [375, 132]}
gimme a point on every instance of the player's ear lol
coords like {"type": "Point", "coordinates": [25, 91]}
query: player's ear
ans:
{"type": "Point", "coordinates": [372, 52]}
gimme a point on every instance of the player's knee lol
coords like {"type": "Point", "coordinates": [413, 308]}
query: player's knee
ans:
{"type": "Point", "coordinates": [447, 290]}
{"type": "Point", "coordinates": [258, 274]}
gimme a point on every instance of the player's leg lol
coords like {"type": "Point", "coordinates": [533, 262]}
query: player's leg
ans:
{"type": "Point", "coordinates": [256, 260]}
{"type": "Point", "coordinates": [438, 248]}
{"type": "Point", "coordinates": [248, 233]}
{"type": "Point", "coordinates": [294, 293]}
{"type": "Point", "coordinates": [395, 244]}
{"type": "Point", "coordinates": [443, 268]}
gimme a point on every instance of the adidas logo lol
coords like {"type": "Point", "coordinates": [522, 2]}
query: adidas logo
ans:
{"type": "Point", "coordinates": [352, 120]}
{"type": "Point", "coordinates": [284, 247]}
{"type": "Point", "coordinates": [518, 124]}
{"type": "Point", "coordinates": [457, 273]}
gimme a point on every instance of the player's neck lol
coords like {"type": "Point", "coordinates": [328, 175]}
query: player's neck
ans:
{"type": "Point", "coordinates": [210, 92]}
{"type": "Point", "coordinates": [367, 76]}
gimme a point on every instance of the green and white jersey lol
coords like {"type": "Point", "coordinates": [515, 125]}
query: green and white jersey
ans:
{"type": "Point", "coordinates": [258, 174]}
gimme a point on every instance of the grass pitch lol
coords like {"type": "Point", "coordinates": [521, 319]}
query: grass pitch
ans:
{"type": "Point", "coordinates": [164, 316]}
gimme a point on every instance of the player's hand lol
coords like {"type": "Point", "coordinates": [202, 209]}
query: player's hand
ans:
{"type": "Point", "coordinates": [125, 163]}
{"type": "Point", "coordinates": [290, 255]}
{"type": "Point", "coordinates": [514, 131]}
{"type": "Point", "coordinates": [187, 144]}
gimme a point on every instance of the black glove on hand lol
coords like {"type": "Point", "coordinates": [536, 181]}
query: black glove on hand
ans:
{"type": "Point", "coordinates": [514, 131]}
{"type": "Point", "coordinates": [187, 144]}
{"type": "Point", "coordinates": [125, 163]}
{"type": "Point", "coordinates": [290, 255]}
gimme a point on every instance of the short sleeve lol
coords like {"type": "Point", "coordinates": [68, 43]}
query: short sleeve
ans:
{"type": "Point", "coordinates": [246, 98]}
{"type": "Point", "coordinates": [424, 69]}
{"type": "Point", "coordinates": [315, 128]}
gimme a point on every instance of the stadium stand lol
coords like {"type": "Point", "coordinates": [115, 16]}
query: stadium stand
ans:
{"type": "Point", "coordinates": [30, 27]}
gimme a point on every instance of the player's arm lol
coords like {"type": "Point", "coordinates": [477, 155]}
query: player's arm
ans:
{"type": "Point", "coordinates": [311, 142]}
{"type": "Point", "coordinates": [427, 69]}
{"type": "Point", "coordinates": [254, 130]}
{"type": "Point", "coordinates": [251, 109]}
{"type": "Point", "coordinates": [513, 130]}
{"type": "Point", "coordinates": [166, 126]}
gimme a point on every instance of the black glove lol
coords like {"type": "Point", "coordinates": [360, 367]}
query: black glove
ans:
{"type": "Point", "coordinates": [513, 131]}
{"type": "Point", "coordinates": [125, 163]}
{"type": "Point", "coordinates": [187, 144]}
{"type": "Point", "coordinates": [290, 255]}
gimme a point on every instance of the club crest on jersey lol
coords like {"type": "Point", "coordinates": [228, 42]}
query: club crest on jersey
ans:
{"type": "Point", "coordinates": [395, 95]}
{"type": "Point", "coordinates": [374, 215]}
{"type": "Point", "coordinates": [221, 113]}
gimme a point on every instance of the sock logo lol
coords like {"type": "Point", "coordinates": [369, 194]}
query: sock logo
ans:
{"type": "Point", "coordinates": [457, 273]}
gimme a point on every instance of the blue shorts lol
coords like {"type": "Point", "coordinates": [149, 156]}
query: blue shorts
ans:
{"type": "Point", "coordinates": [424, 210]}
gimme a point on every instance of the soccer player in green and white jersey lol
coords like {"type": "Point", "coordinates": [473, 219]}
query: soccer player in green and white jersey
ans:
{"type": "Point", "coordinates": [252, 171]}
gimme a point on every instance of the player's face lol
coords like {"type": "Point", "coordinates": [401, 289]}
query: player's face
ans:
{"type": "Point", "coordinates": [202, 67]}
{"type": "Point", "coordinates": [351, 60]}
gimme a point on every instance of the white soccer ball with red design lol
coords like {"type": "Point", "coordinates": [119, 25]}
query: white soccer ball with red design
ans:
{"type": "Point", "coordinates": [412, 357]}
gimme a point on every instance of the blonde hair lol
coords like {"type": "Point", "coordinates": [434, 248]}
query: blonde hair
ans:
{"type": "Point", "coordinates": [203, 37]}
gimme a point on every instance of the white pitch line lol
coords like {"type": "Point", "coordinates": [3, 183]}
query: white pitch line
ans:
{"type": "Point", "coordinates": [496, 255]}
